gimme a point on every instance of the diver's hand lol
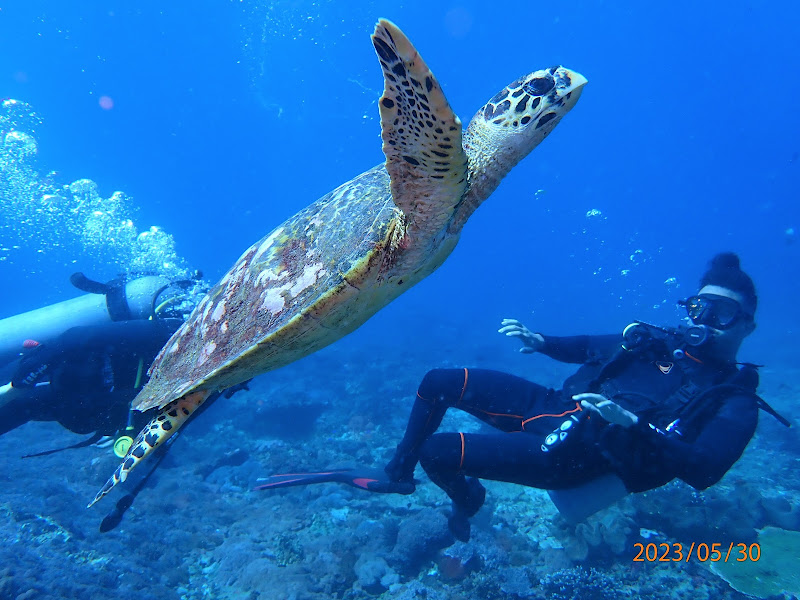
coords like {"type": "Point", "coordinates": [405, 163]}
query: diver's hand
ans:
{"type": "Point", "coordinates": [7, 393]}
{"type": "Point", "coordinates": [610, 411]}
{"type": "Point", "coordinates": [531, 342]}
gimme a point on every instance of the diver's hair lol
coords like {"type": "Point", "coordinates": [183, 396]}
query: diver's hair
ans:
{"type": "Point", "coordinates": [725, 271]}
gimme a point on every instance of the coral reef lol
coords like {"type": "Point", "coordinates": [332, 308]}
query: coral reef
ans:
{"type": "Point", "coordinates": [771, 568]}
{"type": "Point", "coordinates": [578, 582]}
{"type": "Point", "coordinates": [418, 539]}
{"type": "Point", "coordinates": [198, 531]}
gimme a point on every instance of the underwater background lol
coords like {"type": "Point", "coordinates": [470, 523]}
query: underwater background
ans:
{"type": "Point", "coordinates": [215, 121]}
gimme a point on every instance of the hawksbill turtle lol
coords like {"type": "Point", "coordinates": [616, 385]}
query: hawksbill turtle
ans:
{"type": "Point", "coordinates": [329, 268]}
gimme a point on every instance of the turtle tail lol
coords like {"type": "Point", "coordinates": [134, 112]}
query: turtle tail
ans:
{"type": "Point", "coordinates": [168, 421]}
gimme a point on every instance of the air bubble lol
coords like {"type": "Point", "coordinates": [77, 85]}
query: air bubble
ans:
{"type": "Point", "coordinates": [69, 224]}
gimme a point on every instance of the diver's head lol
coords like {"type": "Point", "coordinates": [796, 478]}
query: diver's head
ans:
{"type": "Point", "coordinates": [726, 304]}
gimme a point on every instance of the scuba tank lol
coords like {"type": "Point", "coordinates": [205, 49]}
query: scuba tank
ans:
{"type": "Point", "coordinates": [117, 300]}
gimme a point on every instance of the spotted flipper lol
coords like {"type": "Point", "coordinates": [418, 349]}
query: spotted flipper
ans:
{"type": "Point", "coordinates": [166, 423]}
{"type": "Point", "coordinates": [421, 134]}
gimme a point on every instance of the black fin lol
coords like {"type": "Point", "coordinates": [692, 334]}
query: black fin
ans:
{"type": "Point", "coordinates": [82, 444]}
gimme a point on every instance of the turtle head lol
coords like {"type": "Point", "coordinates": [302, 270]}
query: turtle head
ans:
{"type": "Point", "coordinates": [524, 112]}
{"type": "Point", "coordinates": [512, 124]}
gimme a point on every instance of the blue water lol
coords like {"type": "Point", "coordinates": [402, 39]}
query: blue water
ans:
{"type": "Point", "coordinates": [229, 117]}
{"type": "Point", "coordinates": [225, 118]}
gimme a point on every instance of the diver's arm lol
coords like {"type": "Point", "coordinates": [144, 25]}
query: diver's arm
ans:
{"type": "Point", "coordinates": [531, 342]}
{"type": "Point", "coordinates": [137, 335]}
{"type": "Point", "coordinates": [577, 349]}
{"type": "Point", "coordinates": [719, 445]}
{"type": "Point", "coordinates": [10, 393]}
{"type": "Point", "coordinates": [7, 393]}
{"type": "Point", "coordinates": [33, 367]}
{"type": "Point", "coordinates": [18, 405]}
{"type": "Point", "coordinates": [580, 349]}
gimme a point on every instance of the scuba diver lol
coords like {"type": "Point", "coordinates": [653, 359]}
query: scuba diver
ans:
{"type": "Point", "coordinates": [86, 377]}
{"type": "Point", "coordinates": [645, 407]}
{"type": "Point", "coordinates": [84, 360]}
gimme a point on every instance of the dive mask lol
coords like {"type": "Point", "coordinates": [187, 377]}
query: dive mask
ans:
{"type": "Point", "coordinates": [718, 312]}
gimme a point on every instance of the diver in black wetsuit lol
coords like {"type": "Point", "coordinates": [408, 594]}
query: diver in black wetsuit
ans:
{"type": "Point", "coordinates": [86, 378]}
{"type": "Point", "coordinates": [89, 356]}
{"type": "Point", "coordinates": [646, 407]}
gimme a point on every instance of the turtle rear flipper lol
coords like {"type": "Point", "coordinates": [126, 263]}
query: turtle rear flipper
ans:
{"type": "Point", "coordinates": [165, 424]}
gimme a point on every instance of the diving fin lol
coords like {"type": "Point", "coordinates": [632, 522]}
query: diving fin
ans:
{"type": "Point", "coordinates": [114, 518]}
{"type": "Point", "coordinates": [82, 444]}
{"type": "Point", "coordinates": [371, 480]}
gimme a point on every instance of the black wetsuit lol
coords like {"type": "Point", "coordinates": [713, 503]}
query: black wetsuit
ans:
{"type": "Point", "coordinates": [93, 372]}
{"type": "Point", "coordinates": [695, 420]}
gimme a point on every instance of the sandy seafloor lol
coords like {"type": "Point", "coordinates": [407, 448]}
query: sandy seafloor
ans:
{"type": "Point", "coordinates": [199, 531]}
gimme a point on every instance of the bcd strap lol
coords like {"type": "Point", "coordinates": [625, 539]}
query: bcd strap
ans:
{"type": "Point", "coordinates": [747, 378]}
{"type": "Point", "coordinates": [117, 302]}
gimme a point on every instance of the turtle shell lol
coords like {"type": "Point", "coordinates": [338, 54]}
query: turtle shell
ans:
{"type": "Point", "coordinates": [311, 280]}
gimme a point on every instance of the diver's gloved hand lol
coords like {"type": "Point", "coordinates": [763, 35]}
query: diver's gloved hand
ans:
{"type": "Point", "coordinates": [608, 410]}
{"type": "Point", "coordinates": [531, 342]}
{"type": "Point", "coordinates": [7, 394]}
{"type": "Point", "coordinates": [11, 393]}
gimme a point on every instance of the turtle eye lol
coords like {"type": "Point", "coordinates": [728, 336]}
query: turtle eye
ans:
{"type": "Point", "coordinates": [539, 86]}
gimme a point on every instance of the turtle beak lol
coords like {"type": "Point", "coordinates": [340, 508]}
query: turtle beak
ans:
{"type": "Point", "coordinates": [570, 84]}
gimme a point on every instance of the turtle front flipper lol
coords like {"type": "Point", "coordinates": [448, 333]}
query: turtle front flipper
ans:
{"type": "Point", "coordinates": [166, 423]}
{"type": "Point", "coordinates": [421, 137]}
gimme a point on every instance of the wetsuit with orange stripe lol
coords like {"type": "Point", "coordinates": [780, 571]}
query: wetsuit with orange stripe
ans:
{"type": "Point", "coordinates": [682, 431]}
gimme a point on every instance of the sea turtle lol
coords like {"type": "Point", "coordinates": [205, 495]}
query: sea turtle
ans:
{"type": "Point", "coordinates": [326, 270]}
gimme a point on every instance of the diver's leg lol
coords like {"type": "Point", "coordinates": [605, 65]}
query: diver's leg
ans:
{"type": "Point", "coordinates": [425, 418]}
{"type": "Point", "coordinates": [455, 462]}
{"type": "Point", "coordinates": [501, 400]}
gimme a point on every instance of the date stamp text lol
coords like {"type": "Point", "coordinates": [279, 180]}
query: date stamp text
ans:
{"type": "Point", "coordinates": [703, 552]}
